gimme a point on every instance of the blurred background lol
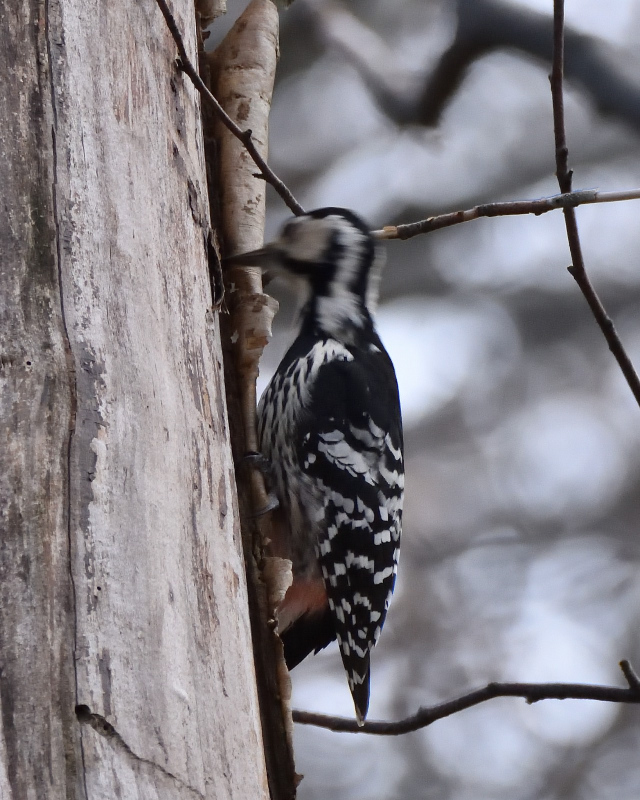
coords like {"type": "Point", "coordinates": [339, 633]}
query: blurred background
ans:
{"type": "Point", "coordinates": [521, 537]}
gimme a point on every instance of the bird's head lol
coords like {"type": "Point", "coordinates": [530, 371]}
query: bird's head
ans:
{"type": "Point", "coordinates": [333, 252]}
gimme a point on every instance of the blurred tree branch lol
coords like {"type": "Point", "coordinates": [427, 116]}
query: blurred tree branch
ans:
{"type": "Point", "coordinates": [564, 174]}
{"type": "Point", "coordinates": [483, 26]}
{"type": "Point", "coordinates": [531, 692]}
{"type": "Point", "coordinates": [487, 25]}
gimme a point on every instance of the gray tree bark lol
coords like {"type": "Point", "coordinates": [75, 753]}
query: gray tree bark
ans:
{"type": "Point", "coordinates": [126, 667]}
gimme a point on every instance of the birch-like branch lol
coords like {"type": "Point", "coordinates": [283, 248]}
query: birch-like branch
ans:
{"type": "Point", "coordinates": [242, 74]}
{"type": "Point", "coordinates": [243, 71]}
{"type": "Point", "coordinates": [531, 692]}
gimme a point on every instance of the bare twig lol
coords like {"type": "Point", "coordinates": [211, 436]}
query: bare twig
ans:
{"type": "Point", "coordinates": [564, 175]}
{"type": "Point", "coordinates": [531, 692]}
{"type": "Point", "coordinates": [510, 208]}
{"type": "Point", "coordinates": [630, 674]}
{"type": "Point", "coordinates": [244, 136]}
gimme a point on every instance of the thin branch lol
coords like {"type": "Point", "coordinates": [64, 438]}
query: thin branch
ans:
{"type": "Point", "coordinates": [531, 692]}
{"type": "Point", "coordinates": [564, 175]}
{"type": "Point", "coordinates": [510, 208]}
{"type": "Point", "coordinates": [244, 136]}
{"type": "Point", "coordinates": [630, 675]}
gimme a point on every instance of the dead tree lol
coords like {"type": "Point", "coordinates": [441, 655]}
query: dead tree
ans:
{"type": "Point", "coordinates": [126, 667]}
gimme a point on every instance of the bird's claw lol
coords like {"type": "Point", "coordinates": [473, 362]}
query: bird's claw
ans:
{"type": "Point", "coordinates": [259, 462]}
{"type": "Point", "coordinates": [271, 505]}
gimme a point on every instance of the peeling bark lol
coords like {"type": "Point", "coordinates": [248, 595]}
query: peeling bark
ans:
{"type": "Point", "coordinates": [242, 73]}
{"type": "Point", "coordinates": [210, 10]}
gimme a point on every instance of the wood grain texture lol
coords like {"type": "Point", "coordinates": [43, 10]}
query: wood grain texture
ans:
{"type": "Point", "coordinates": [123, 590]}
{"type": "Point", "coordinates": [39, 736]}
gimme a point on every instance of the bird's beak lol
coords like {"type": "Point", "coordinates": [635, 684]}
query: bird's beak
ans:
{"type": "Point", "coordinates": [265, 258]}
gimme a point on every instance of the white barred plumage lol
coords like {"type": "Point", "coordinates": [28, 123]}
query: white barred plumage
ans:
{"type": "Point", "coordinates": [329, 422]}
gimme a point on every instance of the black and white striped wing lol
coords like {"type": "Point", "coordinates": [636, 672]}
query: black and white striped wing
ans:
{"type": "Point", "coordinates": [351, 447]}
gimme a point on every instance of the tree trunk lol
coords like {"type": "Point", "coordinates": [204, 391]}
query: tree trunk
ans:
{"type": "Point", "coordinates": [126, 667]}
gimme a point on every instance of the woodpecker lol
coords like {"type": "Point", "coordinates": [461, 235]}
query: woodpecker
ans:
{"type": "Point", "coordinates": [329, 423]}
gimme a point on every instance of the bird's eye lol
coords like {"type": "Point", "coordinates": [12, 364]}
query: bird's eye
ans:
{"type": "Point", "coordinates": [288, 232]}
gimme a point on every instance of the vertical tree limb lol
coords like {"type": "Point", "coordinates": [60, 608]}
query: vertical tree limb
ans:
{"type": "Point", "coordinates": [243, 72]}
